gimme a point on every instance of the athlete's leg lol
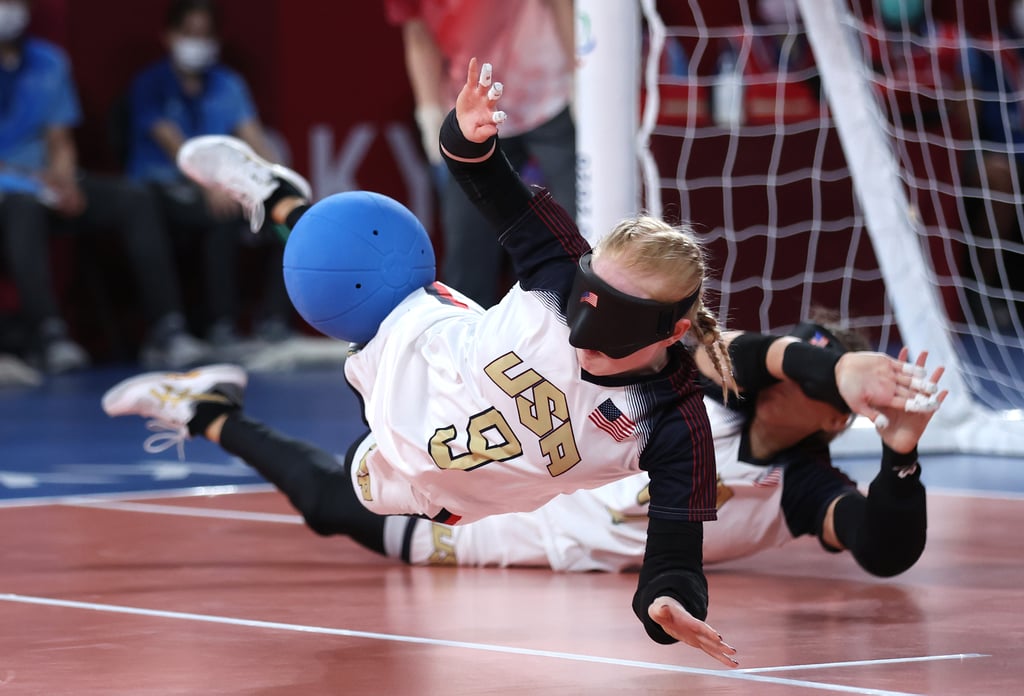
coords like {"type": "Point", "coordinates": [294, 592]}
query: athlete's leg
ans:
{"type": "Point", "coordinates": [208, 402]}
{"type": "Point", "coordinates": [317, 484]}
{"type": "Point", "coordinates": [887, 530]}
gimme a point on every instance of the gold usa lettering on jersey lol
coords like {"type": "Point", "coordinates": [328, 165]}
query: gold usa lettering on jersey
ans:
{"type": "Point", "coordinates": [541, 407]}
{"type": "Point", "coordinates": [539, 413]}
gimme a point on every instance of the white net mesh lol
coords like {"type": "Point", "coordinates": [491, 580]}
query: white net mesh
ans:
{"type": "Point", "coordinates": [761, 173]}
{"type": "Point", "coordinates": [748, 148]}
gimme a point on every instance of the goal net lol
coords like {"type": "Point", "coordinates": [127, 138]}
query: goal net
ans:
{"type": "Point", "coordinates": [845, 155]}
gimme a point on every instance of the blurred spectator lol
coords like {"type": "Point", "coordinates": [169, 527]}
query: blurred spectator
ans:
{"type": "Point", "coordinates": [40, 183]}
{"type": "Point", "coordinates": [532, 43]}
{"type": "Point", "coordinates": [916, 58]}
{"type": "Point", "coordinates": [995, 81]}
{"type": "Point", "coordinates": [767, 76]}
{"type": "Point", "coordinates": [191, 93]}
{"type": "Point", "coordinates": [14, 372]}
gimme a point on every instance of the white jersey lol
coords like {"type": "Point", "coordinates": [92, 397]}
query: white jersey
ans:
{"type": "Point", "coordinates": [476, 413]}
{"type": "Point", "coordinates": [606, 529]}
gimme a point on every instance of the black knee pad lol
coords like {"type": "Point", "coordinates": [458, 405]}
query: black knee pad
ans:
{"type": "Point", "coordinates": [885, 534]}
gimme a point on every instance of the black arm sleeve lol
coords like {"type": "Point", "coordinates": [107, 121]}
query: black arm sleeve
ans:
{"type": "Point", "coordinates": [491, 184]}
{"type": "Point", "coordinates": [814, 369]}
{"type": "Point", "coordinates": [749, 355]}
{"type": "Point", "coordinates": [673, 567]}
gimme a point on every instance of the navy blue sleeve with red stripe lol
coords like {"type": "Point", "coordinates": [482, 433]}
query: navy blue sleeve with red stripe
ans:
{"type": "Point", "coordinates": [545, 246]}
{"type": "Point", "coordinates": [680, 458]}
{"type": "Point", "coordinates": [680, 455]}
{"type": "Point", "coordinates": [539, 235]}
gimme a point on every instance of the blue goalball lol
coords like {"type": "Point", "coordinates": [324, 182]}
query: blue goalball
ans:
{"type": "Point", "coordinates": [351, 258]}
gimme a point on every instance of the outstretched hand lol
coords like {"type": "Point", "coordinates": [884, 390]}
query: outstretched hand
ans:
{"type": "Point", "coordinates": [876, 385]}
{"type": "Point", "coordinates": [904, 424]}
{"type": "Point", "coordinates": [475, 107]}
{"type": "Point", "coordinates": [684, 627]}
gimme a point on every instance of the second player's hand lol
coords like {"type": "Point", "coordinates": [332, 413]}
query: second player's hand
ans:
{"type": "Point", "coordinates": [684, 627]}
{"type": "Point", "coordinates": [475, 106]}
{"type": "Point", "coordinates": [872, 382]}
{"type": "Point", "coordinates": [903, 426]}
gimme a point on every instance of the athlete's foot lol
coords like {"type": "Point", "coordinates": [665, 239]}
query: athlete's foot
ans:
{"type": "Point", "coordinates": [179, 404]}
{"type": "Point", "coordinates": [228, 164]}
{"type": "Point", "coordinates": [280, 209]}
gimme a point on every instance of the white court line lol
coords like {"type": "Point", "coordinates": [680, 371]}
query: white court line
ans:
{"type": "Point", "coordinates": [862, 663]}
{"type": "Point", "coordinates": [227, 489]}
{"type": "Point", "coordinates": [737, 675]}
{"type": "Point", "coordinates": [189, 492]}
{"type": "Point", "coordinates": [190, 511]}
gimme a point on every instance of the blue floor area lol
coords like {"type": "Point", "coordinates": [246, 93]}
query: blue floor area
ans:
{"type": "Point", "coordinates": [56, 441]}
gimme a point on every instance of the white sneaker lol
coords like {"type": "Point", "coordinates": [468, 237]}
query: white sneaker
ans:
{"type": "Point", "coordinates": [169, 400]}
{"type": "Point", "coordinates": [228, 164]}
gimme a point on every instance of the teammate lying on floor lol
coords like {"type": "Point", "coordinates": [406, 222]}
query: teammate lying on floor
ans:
{"type": "Point", "coordinates": [775, 476]}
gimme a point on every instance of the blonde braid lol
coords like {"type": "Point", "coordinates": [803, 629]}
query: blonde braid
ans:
{"type": "Point", "coordinates": [708, 334]}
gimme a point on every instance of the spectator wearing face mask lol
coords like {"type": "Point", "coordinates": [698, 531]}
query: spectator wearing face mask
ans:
{"type": "Point", "coordinates": [187, 94]}
{"type": "Point", "coordinates": [42, 189]}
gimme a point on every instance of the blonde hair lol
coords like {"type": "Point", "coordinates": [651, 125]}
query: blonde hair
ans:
{"type": "Point", "coordinates": [673, 256]}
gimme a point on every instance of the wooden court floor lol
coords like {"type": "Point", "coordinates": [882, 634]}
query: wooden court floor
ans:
{"type": "Point", "coordinates": [124, 573]}
{"type": "Point", "coordinates": [223, 591]}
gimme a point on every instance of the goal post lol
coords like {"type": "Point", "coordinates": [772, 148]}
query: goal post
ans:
{"type": "Point", "coordinates": [608, 46]}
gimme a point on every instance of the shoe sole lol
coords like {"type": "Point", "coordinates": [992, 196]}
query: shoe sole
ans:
{"type": "Point", "coordinates": [239, 146]}
{"type": "Point", "coordinates": [218, 374]}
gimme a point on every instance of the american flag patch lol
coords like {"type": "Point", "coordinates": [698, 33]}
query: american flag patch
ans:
{"type": "Point", "coordinates": [610, 419]}
{"type": "Point", "coordinates": [820, 340]}
{"type": "Point", "coordinates": [590, 298]}
{"type": "Point", "coordinates": [769, 479]}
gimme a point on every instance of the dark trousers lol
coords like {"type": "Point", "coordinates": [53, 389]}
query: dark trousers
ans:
{"type": "Point", "coordinates": [473, 260]}
{"type": "Point", "coordinates": [112, 204]}
{"type": "Point", "coordinates": [220, 242]}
